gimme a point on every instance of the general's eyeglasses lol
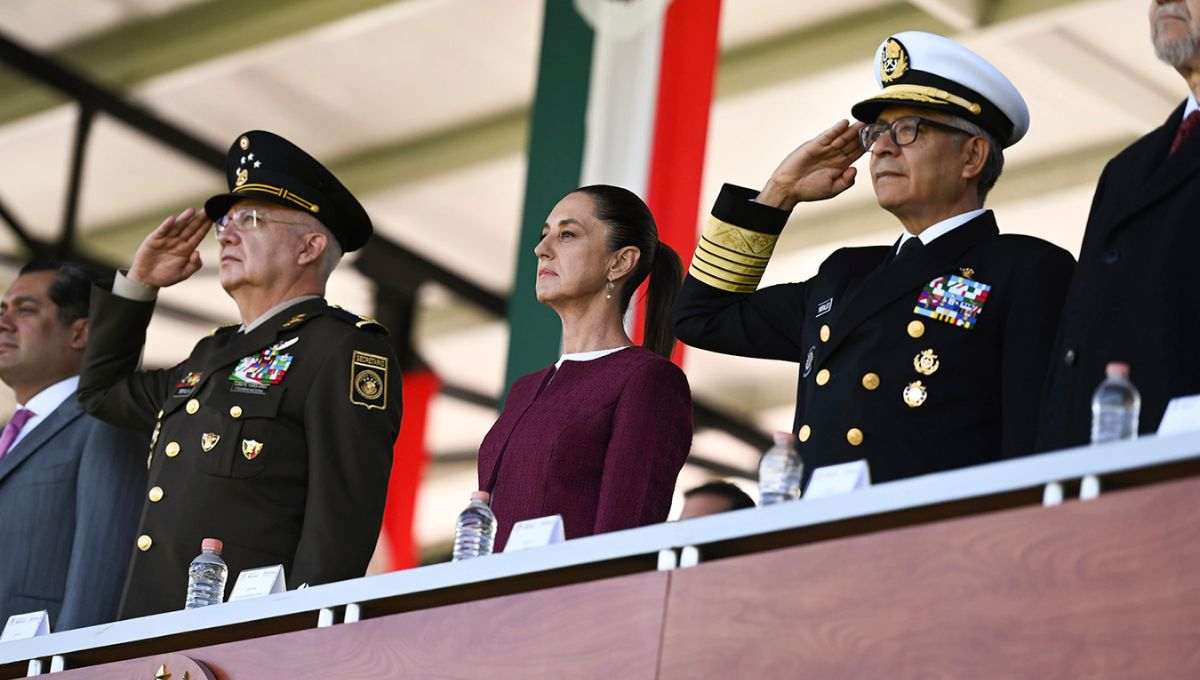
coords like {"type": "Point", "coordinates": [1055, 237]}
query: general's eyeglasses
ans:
{"type": "Point", "coordinates": [903, 130]}
{"type": "Point", "coordinates": [246, 219]}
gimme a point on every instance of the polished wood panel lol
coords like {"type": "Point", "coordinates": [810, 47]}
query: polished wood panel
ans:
{"type": "Point", "coordinates": [603, 629]}
{"type": "Point", "coordinates": [1108, 588]}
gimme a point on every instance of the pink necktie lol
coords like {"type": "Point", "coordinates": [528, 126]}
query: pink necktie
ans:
{"type": "Point", "coordinates": [1185, 128]}
{"type": "Point", "coordinates": [13, 428]}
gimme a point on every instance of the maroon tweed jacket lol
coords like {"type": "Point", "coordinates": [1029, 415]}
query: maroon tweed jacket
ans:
{"type": "Point", "coordinates": [601, 444]}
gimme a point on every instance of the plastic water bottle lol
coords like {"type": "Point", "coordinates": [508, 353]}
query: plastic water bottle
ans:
{"type": "Point", "coordinates": [476, 529]}
{"type": "Point", "coordinates": [780, 471]}
{"type": "Point", "coordinates": [206, 576]}
{"type": "Point", "coordinates": [1115, 406]}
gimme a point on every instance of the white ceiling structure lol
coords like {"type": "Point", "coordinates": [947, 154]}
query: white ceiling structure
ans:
{"type": "Point", "coordinates": [422, 106]}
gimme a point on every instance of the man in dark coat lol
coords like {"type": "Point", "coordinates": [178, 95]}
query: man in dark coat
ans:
{"type": "Point", "coordinates": [274, 436]}
{"type": "Point", "coordinates": [1132, 299]}
{"type": "Point", "coordinates": [921, 356]}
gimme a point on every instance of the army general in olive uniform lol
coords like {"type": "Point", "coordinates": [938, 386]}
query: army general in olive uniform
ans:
{"type": "Point", "coordinates": [921, 356]}
{"type": "Point", "coordinates": [275, 435]}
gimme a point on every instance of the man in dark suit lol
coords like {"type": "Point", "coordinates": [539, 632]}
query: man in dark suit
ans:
{"type": "Point", "coordinates": [1132, 298]}
{"type": "Point", "coordinates": [920, 356]}
{"type": "Point", "coordinates": [70, 485]}
{"type": "Point", "coordinates": [274, 436]}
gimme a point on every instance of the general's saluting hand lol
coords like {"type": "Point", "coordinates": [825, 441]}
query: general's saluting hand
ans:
{"type": "Point", "coordinates": [169, 255]}
{"type": "Point", "coordinates": [817, 170]}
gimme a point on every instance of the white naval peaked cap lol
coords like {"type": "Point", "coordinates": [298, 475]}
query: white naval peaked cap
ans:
{"type": "Point", "coordinates": [926, 70]}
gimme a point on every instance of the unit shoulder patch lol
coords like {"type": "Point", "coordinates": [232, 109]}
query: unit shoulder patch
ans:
{"type": "Point", "coordinates": [368, 380]}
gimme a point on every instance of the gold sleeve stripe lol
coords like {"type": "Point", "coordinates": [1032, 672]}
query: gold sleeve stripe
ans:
{"type": "Point", "coordinates": [744, 242]}
{"type": "Point", "coordinates": [751, 274]}
{"type": "Point", "coordinates": [721, 257]}
{"type": "Point", "coordinates": [927, 95]}
{"type": "Point", "coordinates": [719, 283]}
{"type": "Point", "coordinates": [727, 254]}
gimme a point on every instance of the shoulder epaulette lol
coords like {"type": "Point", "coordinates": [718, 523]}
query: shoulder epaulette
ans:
{"type": "Point", "coordinates": [359, 321]}
{"type": "Point", "coordinates": [224, 328]}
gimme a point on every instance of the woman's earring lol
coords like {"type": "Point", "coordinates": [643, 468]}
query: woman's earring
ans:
{"type": "Point", "coordinates": [608, 295]}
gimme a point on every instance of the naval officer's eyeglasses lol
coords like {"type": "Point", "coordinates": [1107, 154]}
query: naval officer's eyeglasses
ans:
{"type": "Point", "coordinates": [903, 130]}
{"type": "Point", "coordinates": [246, 219]}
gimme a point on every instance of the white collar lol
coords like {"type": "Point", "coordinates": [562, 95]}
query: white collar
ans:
{"type": "Point", "coordinates": [941, 228]}
{"type": "Point", "coordinates": [43, 403]}
{"type": "Point", "coordinates": [587, 356]}
{"type": "Point", "coordinates": [1191, 105]}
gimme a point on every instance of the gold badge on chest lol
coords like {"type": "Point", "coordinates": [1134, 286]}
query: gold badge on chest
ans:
{"type": "Point", "coordinates": [915, 394]}
{"type": "Point", "coordinates": [208, 441]}
{"type": "Point", "coordinates": [926, 363]}
{"type": "Point", "coordinates": [251, 448]}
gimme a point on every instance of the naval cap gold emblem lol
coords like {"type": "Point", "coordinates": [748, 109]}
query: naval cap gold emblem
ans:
{"type": "Point", "coordinates": [893, 61]}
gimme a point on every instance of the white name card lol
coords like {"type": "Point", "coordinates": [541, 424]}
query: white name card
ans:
{"type": "Point", "coordinates": [832, 480]}
{"type": "Point", "coordinates": [258, 582]}
{"type": "Point", "coordinates": [25, 626]}
{"type": "Point", "coordinates": [1182, 415]}
{"type": "Point", "coordinates": [535, 533]}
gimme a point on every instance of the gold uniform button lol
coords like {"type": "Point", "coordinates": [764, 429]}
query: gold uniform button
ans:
{"type": "Point", "coordinates": [854, 436]}
{"type": "Point", "coordinates": [172, 449]}
{"type": "Point", "coordinates": [235, 411]}
{"type": "Point", "coordinates": [805, 433]}
{"type": "Point", "coordinates": [144, 542]}
{"type": "Point", "coordinates": [916, 329]}
{"type": "Point", "coordinates": [156, 494]}
{"type": "Point", "coordinates": [870, 381]}
{"type": "Point", "coordinates": [823, 376]}
{"type": "Point", "coordinates": [193, 405]}
{"type": "Point", "coordinates": [825, 333]}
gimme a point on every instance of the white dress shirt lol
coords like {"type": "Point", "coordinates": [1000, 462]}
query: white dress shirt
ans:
{"type": "Point", "coordinates": [43, 404]}
{"type": "Point", "coordinates": [941, 228]}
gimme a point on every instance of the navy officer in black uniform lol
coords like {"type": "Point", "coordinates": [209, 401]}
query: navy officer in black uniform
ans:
{"type": "Point", "coordinates": [923, 355]}
{"type": "Point", "coordinates": [275, 435]}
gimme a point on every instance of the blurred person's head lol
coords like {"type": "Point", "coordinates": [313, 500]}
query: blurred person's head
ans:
{"type": "Point", "coordinates": [598, 244]}
{"type": "Point", "coordinates": [44, 326]}
{"type": "Point", "coordinates": [1175, 32]}
{"type": "Point", "coordinates": [712, 498]}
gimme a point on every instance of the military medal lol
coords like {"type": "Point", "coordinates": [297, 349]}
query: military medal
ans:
{"type": "Point", "coordinates": [208, 441]}
{"type": "Point", "coordinates": [187, 384]}
{"type": "Point", "coordinates": [255, 373]}
{"type": "Point", "coordinates": [251, 448]}
{"type": "Point", "coordinates": [915, 394]}
{"type": "Point", "coordinates": [926, 363]}
{"type": "Point", "coordinates": [953, 299]}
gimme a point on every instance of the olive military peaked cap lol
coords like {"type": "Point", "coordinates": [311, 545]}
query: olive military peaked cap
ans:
{"type": "Point", "coordinates": [263, 166]}
{"type": "Point", "coordinates": [928, 71]}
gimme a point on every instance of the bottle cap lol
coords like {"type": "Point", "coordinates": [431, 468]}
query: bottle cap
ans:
{"type": "Point", "coordinates": [1117, 369]}
{"type": "Point", "coordinates": [213, 544]}
{"type": "Point", "coordinates": [481, 496]}
{"type": "Point", "coordinates": [784, 438]}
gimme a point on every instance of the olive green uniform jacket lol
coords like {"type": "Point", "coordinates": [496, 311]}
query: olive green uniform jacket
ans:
{"type": "Point", "coordinates": [278, 442]}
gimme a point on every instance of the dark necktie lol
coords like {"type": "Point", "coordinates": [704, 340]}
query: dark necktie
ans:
{"type": "Point", "coordinates": [1185, 128]}
{"type": "Point", "coordinates": [910, 249]}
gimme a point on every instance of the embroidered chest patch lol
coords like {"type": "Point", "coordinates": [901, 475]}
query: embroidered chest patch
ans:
{"type": "Point", "coordinates": [955, 300]}
{"type": "Point", "coordinates": [259, 371]}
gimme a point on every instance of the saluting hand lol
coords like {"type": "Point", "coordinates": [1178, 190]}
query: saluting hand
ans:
{"type": "Point", "coordinates": [169, 255]}
{"type": "Point", "coordinates": [817, 170]}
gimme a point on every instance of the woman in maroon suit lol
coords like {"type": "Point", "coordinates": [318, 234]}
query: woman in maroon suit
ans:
{"type": "Point", "coordinates": [598, 437]}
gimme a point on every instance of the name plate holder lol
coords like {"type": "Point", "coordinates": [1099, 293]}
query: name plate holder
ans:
{"type": "Point", "coordinates": [26, 626]}
{"type": "Point", "coordinates": [833, 480]}
{"type": "Point", "coordinates": [535, 533]}
{"type": "Point", "coordinates": [259, 582]}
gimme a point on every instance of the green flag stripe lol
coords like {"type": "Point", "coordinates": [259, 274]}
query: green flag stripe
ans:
{"type": "Point", "coordinates": [555, 159]}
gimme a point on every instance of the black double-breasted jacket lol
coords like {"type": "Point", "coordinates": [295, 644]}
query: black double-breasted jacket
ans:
{"type": "Point", "coordinates": [277, 441]}
{"type": "Point", "coordinates": [1132, 298]}
{"type": "Point", "coordinates": [911, 391]}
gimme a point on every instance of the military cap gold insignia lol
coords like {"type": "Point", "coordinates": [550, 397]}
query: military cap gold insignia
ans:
{"type": "Point", "coordinates": [208, 441]}
{"type": "Point", "coordinates": [915, 394]}
{"type": "Point", "coordinates": [368, 380]}
{"type": "Point", "coordinates": [894, 62]}
{"type": "Point", "coordinates": [926, 362]}
{"type": "Point", "coordinates": [251, 448]}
